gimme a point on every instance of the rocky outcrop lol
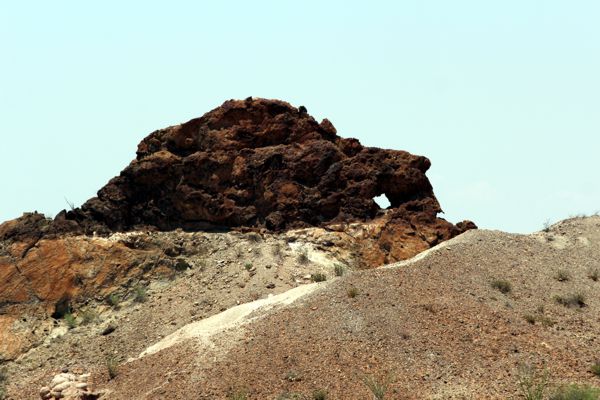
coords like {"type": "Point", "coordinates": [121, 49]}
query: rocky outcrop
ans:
{"type": "Point", "coordinates": [251, 163]}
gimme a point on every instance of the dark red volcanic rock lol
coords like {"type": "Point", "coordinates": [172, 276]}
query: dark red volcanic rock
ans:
{"type": "Point", "coordinates": [254, 163]}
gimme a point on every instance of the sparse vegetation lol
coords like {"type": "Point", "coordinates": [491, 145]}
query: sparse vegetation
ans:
{"type": "Point", "coordinates": [3, 382]}
{"type": "Point", "coordinates": [352, 292]}
{"type": "Point", "coordinates": [70, 320]}
{"type": "Point", "coordinates": [140, 295]}
{"type": "Point", "coordinates": [318, 277]}
{"type": "Point", "coordinates": [547, 226]}
{"type": "Point", "coordinates": [248, 266]}
{"type": "Point", "coordinates": [530, 318]}
{"type": "Point", "coordinates": [571, 300]}
{"type": "Point", "coordinates": [290, 396]}
{"type": "Point", "coordinates": [576, 392]}
{"type": "Point", "coordinates": [532, 383]}
{"type": "Point", "coordinates": [378, 387]}
{"type": "Point", "coordinates": [88, 316]}
{"type": "Point", "coordinates": [238, 395]}
{"type": "Point", "coordinates": [539, 317]}
{"type": "Point", "coordinates": [594, 274]}
{"type": "Point", "coordinates": [339, 269]}
{"type": "Point", "coordinates": [562, 275]}
{"type": "Point", "coordinates": [596, 368]}
{"type": "Point", "coordinates": [303, 257]}
{"type": "Point", "coordinates": [254, 237]}
{"type": "Point", "coordinates": [292, 376]}
{"type": "Point", "coordinates": [276, 250]}
{"type": "Point", "coordinates": [113, 300]}
{"type": "Point", "coordinates": [501, 285]}
{"type": "Point", "coordinates": [319, 394]}
{"type": "Point", "coordinates": [112, 367]}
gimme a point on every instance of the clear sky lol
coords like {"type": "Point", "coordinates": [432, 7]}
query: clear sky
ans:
{"type": "Point", "coordinates": [502, 96]}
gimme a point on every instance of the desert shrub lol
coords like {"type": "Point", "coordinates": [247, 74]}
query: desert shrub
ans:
{"type": "Point", "coordinates": [303, 257]}
{"type": "Point", "coordinates": [339, 269]}
{"type": "Point", "coordinates": [254, 237]}
{"type": "Point", "coordinates": [596, 368]}
{"type": "Point", "coordinates": [542, 319]}
{"type": "Point", "coordinates": [140, 295]}
{"type": "Point", "coordinates": [502, 285]}
{"type": "Point", "coordinates": [113, 300]}
{"type": "Point", "coordinates": [70, 320]}
{"type": "Point", "coordinates": [238, 395]}
{"type": "Point", "coordinates": [3, 382]}
{"type": "Point", "coordinates": [293, 376]}
{"type": "Point", "coordinates": [532, 383]}
{"type": "Point", "coordinates": [276, 250]}
{"type": "Point", "coordinates": [290, 396]}
{"type": "Point", "coordinates": [352, 292]}
{"type": "Point", "coordinates": [112, 367]}
{"type": "Point", "coordinates": [318, 277]}
{"type": "Point", "coordinates": [576, 392]}
{"type": "Point", "coordinates": [530, 318]}
{"type": "Point", "coordinates": [377, 387]}
{"type": "Point", "coordinates": [562, 275]}
{"type": "Point", "coordinates": [547, 226]}
{"type": "Point", "coordinates": [88, 316]}
{"type": "Point", "coordinates": [571, 300]}
{"type": "Point", "coordinates": [319, 394]}
{"type": "Point", "coordinates": [248, 266]}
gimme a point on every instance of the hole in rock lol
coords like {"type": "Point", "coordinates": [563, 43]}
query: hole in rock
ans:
{"type": "Point", "coordinates": [382, 201]}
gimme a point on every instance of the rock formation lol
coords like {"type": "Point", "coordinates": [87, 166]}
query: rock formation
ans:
{"type": "Point", "coordinates": [254, 163]}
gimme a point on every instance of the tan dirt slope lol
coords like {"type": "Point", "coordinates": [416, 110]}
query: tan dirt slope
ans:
{"type": "Point", "coordinates": [435, 328]}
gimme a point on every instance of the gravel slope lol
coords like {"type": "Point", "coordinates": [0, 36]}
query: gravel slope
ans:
{"type": "Point", "coordinates": [435, 328]}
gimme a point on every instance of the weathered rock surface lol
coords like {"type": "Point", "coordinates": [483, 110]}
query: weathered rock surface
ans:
{"type": "Point", "coordinates": [251, 163]}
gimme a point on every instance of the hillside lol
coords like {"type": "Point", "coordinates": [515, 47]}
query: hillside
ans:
{"type": "Point", "coordinates": [436, 326]}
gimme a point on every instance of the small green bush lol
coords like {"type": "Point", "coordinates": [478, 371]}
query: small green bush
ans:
{"type": "Point", "coordinates": [112, 367]}
{"type": "Point", "coordinates": [276, 250]}
{"type": "Point", "coordinates": [532, 383]}
{"type": "Point", "coordinates": [303, 258]}
{"type": "Point", "coordinates": [339, 269]}
{"type": "Point", "coordinates": [318, 277]}
{"type": "Point", "coordinates": [571, 300]}
{"type": "Point", "coordinates": [248, 266]}
{"type": "Point", "coordinates": [576, 392]}
{"type": "Point", "coordinates": [290, 396]}
{"type": "Point", "coordinates": [319, 394]}
{"type": "Point", "coordinates": [88, 316]}
{"type": "Point", "coordinates": [378, 387]}
{"type": "Point", "coordinates": [352, 292]}
{"type": "Point", "coordinates": [292, 376]}
{"type": "Point", "coordinates": [3, 382]}
{"type": "Point", "coordinates": [596, 368]}
{"type": "Point", "coordinates": [530, 318]}
{"type": "Point", "coordinates": [70, 320]}
{"type": "Point", "coordinates": [562, 275]}
{"type": "Point", "coordinates": [113, 300]}
{"type": "Point", "coordinates": [140, 295]}
{"type": "Point", "coordinates": [502, 285]}
{"type": "Point", "coordinates": [238, 395]}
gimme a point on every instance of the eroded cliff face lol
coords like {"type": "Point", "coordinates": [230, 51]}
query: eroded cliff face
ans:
{"type": "Point", "coordinates": [253, 164]}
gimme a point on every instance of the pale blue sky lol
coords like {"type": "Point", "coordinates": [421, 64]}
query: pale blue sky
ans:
{"type": "Point", "coordinates": [502, 96]}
